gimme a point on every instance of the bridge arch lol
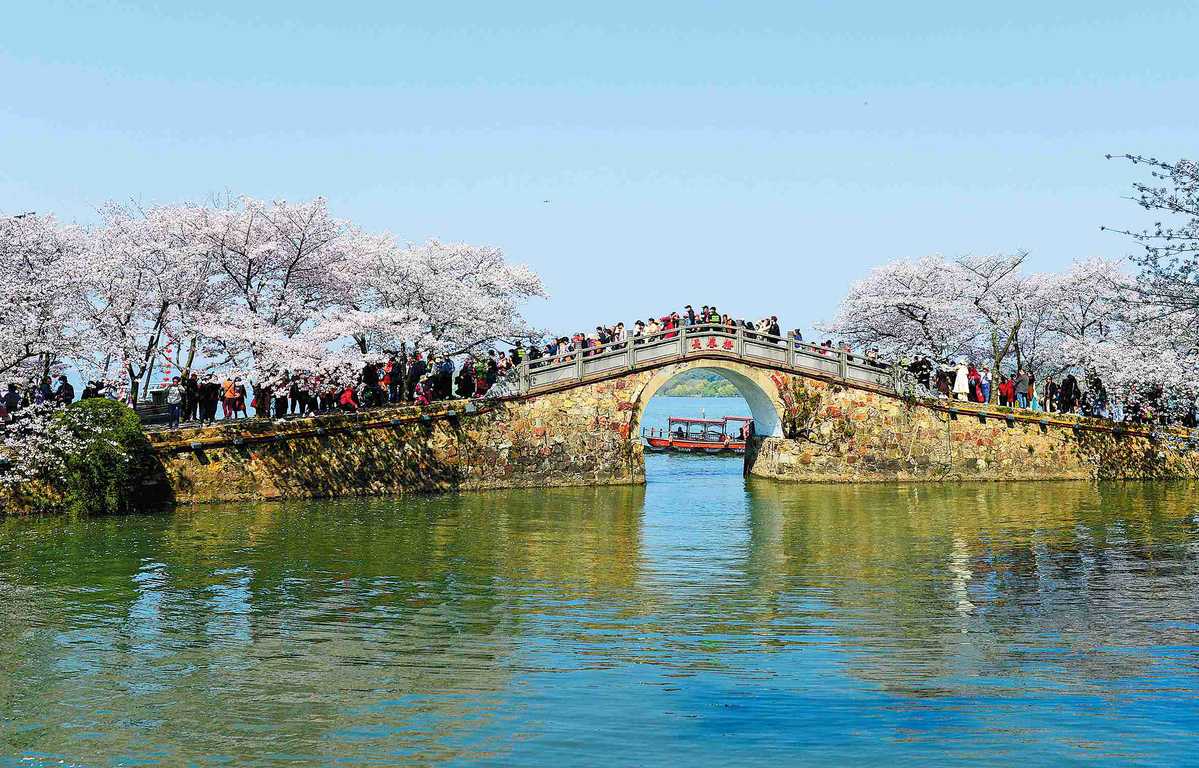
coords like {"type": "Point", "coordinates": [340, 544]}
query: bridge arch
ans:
{"type": "Point", "coordinates": [752, 383]}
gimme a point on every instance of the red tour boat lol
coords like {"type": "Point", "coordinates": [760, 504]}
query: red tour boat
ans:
{"type": "Point", "coordinates": [700, 435]}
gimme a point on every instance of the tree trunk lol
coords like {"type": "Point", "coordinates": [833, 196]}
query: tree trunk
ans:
{"type": "Point", "coordinates": [146, 376]}
{"type": "Point", "coordinates": [133, 386]}
{"type": "Point", "coordinates": [185, 370]}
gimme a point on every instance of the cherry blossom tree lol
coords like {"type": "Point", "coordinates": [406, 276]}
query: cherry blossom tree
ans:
{"type": "Point", "coordinates": [906, 307]}
{"type": "Point", "coordinates": [999, 300]}
{"type": "Point", "coordinates": [986, 307]}
{"type": "Point", "coordinates": [970, 306]}
{"type": "Point", "coordinates": [1170, 259]}
{"type": "Point", "coordinates": [451, 298]}
{"type": "Point", "coordinates": [273, 267]}
{"type": "Point", "coordinates": [1081, 305]}
{"type": "Point", "coordinates": [1157, 347]}
{"type": "Point", "coordinates": [149, 284]}
{"type": "Point", "coordinates": [40, 296]}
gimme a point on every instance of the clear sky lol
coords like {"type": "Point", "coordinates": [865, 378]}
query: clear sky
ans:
{"type": "Point", "coordinates": [757, 155]}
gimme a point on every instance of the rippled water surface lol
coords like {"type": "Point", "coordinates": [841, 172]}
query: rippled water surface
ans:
{"type": "Point", "coordinates": [701, 620]}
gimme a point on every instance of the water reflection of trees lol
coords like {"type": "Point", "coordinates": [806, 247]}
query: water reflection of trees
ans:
{"type": "Point", "coordinates": [940, 587]}
{"type": "Point", "coordinates": [352, 625]}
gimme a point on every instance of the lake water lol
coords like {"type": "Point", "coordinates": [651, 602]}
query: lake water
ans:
{"type": "Point", "coordinates": [703, 620]}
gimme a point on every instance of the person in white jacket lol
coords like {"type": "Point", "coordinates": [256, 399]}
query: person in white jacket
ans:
{"type": "Point", "coordinates": [961, 382]}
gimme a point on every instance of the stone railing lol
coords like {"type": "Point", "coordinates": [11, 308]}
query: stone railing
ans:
{"type": "Point", "coordinates": [705, 341]}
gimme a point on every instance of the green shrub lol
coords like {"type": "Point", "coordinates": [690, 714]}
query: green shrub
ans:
{"type": "Point", "coordinates": [114, 471]}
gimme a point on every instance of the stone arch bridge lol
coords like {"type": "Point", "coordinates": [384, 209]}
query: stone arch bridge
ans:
{"type": "Point", "coordinates": [820, 415]}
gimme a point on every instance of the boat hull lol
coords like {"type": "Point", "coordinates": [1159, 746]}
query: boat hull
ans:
{"type": "Point", "coordinates": [676, 445]}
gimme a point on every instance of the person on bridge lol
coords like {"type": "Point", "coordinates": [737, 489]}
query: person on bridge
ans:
{"type": "Point", "coordinates": [191, 397]}
{"type": "Point", "coordinates": [493, 369]}
{"type": "Point", "coordinates": [12, 399]}
{"type": "Point", "coordinates": [391, 375]}
{"type": "Point", "coordinates": [922, 370]}
{"type": "Point", "coordinates": [445, 377]}
{"type": "Point", "coordinates": [1071, 397]}
{"type": "Point", "coordinates": [1007, 391]}
{"type": "Point", "coordinates": [669, 324]}
{"type": "Point", "coordinates": [976, 381]}
{"type": "Point", "coordinates": [1050, 389]}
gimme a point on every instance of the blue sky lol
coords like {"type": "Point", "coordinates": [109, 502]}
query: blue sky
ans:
{"type": "Point", "coordinates": [758, 155]}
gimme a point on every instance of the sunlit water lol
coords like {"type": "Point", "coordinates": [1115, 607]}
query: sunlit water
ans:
{"type": "Point", "coordinates": [704, 620]}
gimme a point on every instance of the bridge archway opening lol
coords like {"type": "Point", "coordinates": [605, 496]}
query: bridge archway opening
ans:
{"type": "Point", "coordinates": [753, 387]}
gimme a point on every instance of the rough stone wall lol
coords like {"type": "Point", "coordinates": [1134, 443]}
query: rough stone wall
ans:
{"type": "Point", "coordinates": [837, 434]}
{"type": "Point", "coordinates": [309, 458]}
{"type": "Point", "coordinates": [578, 436]}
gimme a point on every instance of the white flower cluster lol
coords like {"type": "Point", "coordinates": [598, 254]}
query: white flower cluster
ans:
{"type": "Point", "coordinates": [36, 445]}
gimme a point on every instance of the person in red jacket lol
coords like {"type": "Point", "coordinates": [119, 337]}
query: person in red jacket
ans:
{"type": "Point", "coordinates": [1007, 392]}
{"type": "Point", "coordinates": [975, 381]}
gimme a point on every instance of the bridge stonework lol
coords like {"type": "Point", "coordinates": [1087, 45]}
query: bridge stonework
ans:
{"type": "Point", "coordinates": [835, 433]}
{"type": "Point", "coordinates": [811, 427]}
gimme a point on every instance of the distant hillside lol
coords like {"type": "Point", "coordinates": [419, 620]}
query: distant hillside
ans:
{"type": "Point", "coordinates": [699, 384]}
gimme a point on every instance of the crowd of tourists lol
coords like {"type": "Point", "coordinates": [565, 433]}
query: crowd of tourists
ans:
{"type": "Point", "coordinates": [205, 397]}
{"type": "Point", "coordinates": [423, 378]}
{"type": "Point", "coordinates": [416, 379]}
{"type": "Point", "coordinates": [59, 389]}
{"type": "Point", "coordinates": [664, 326]}
{"type": "Point", "coordinates": [1019, 388]}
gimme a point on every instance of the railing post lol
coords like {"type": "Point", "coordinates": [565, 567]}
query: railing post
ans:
{"type": "Point", "coordinates": [740, 343]}
{"type": "Point", "coordinates": [790, 352]}
{"type": "Point", "coordinates": [522, 382]}
{"type": "Point", "coordinates": [843, 364]}
{"type": "Point", "coordinates": [579, 364]}
{"type": "Point", "coordinates": [682, 341]}
{"type": "Point", "coordinates": [631, 352]}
